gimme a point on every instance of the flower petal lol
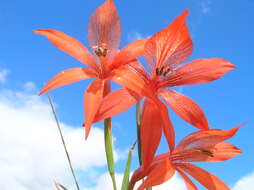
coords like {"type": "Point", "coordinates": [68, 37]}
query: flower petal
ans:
{"type": "Point", "coordinates": [104, 27]}
{"type": "Point", "coordinates": [219, 152]}
{"type": "Point", "coordinates": [199, 71]}
{"type": "Point", "coordinates": [129, 53]}
{"type": "Point", "coordinates": [189, 184]}
{"type": "Point", "coordinates": [205, 178]}
{"type": "Point", "coordinates": [151, 131]}
{"type": "Point", "coordinates": [206, 138]}
{"type": "Point", "coordinates": [66, 77]}
{"type": "Point", "coordinates": [131, 78]}
{"type": "Point", "coordinates": [159, 174]}
{"type": "Point", "coordinates": [115, 103]}
{"type": "Point", "coordinates": [168, 127]}
{"type": "Point", "coordinates": [186, 108]}
{"type": "Point", "coordinates": [69, 45]}
{"type": "Point", "coordinates": [171, 45]}
{"type": "Point", "coordinates": [92, 100]}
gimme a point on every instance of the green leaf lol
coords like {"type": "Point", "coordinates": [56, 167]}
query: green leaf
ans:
{"type": "Point", "coordinates": [125, 182]}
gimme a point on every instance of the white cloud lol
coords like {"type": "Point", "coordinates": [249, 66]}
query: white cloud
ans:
{"type": "Point", "coordinates": [245, 183]}
{"type": "Point", "coordinates": [3, 75]}
{"type": "Point", "coordinates": [32, 155]}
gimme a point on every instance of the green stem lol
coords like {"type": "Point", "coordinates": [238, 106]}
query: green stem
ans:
{"type": "Point", "coordinates": [138, 123]}
{"type": "Point", "coordinates": [109, 150]}
{"type": "Point", "coordinates": [108, 141]}
{"type": "Point", "coordinates": [63, 141]}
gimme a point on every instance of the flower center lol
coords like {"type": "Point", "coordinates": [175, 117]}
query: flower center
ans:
{"type": "Point", "coordinates": [163, 71]}
{"type": "Point", "coordinates": [100, 50]}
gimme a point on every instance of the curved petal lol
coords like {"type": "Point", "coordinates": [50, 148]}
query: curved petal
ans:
{"type": "Point", "coordinates": [104, 28]}
{"type": "Point", "coordinates": [115, 103]}
{"type": "Point", "coordinates": [219, 152]}
{"type": "Point", "coordinates": [205, 178]}
{"type": "Point", "coordinates": [129, 53]}
{"type": "Point", "coordinates": [131, 78]}
{"type": "Point", "coordinates": [171, 45]}
{"type": "Point", "coordinates": [185, 107]}
{"type": "Point", "coordinates": [207, 138]}
{"type": "Point", "coordinates": [199, 71]}
{"type": "Point", "coordinates": [189, 184]}
{"type": "Point", "coordinates": [92, 100]}
{"type": "Point", "coordinates": [150, 131]}
{"type": "Point", "coordinates": [168, 127]}
{"type": "Point", "coordinates": [69, 45]}
{"type": "Point", "coordinates": [137, 175]}
{"type": "Point", "coordinates": [67, 77]}
{"type": "Point", "coordinates": [160, 173]}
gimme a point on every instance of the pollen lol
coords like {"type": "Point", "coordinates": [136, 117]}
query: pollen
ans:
{"type": "Point", "coordinates": [100, 50]}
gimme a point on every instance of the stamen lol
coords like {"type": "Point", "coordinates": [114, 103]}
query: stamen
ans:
{"type": "Point", "coordinates": [164, 70]}
{"type": "Point", "coordinates": [206, 152]}
{"type": "Point", "coordinates": [161, 71]}
{"type": "Point", "coordinates": [101, 50]}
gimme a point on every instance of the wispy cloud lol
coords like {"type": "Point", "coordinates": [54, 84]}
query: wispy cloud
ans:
{"type": "Point", "coordinates": [206, 6]}
{"type": "Point", "coordinates": [136, 36]}
{"type": "Point", "coordinates": [3, 75]}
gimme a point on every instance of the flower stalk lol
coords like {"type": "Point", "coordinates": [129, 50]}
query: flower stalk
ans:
{"type": "Point", "coordinates": [63, 142]}
{"type": "Point", "coordinates": [108, 142]}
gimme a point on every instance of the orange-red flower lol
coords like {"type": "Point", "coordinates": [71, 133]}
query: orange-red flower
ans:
{"type": "Point", "coordinates": [165, 52]}
{"type": "Point", "coordinates": [104, 33]}
{"type": "Point", "coordinates": [202, 146]}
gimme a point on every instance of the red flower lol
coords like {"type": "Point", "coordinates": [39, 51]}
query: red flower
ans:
{"type": "Point", "coordinates": [164, 52]}
{"type": "Point", "coordinates": [104, 33]}
{"type": "Point", "coordinates": [202, 146]}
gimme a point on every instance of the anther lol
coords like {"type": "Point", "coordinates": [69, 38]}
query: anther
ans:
{"type": "Point", "coordinates": [101, 50]}
{"type": "Point", "coordinates": [206, 152]}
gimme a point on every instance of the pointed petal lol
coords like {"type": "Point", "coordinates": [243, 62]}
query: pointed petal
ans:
{"type": "Point", "coordinates": [159, 174]}
{"type": "Point", "coordinates": [67, 77]}
{"type": "Point", "coordinates": [92, 100]}
{"type": "Point", "coordinates": [199, 71]}
{"type": "Point", "coordinates": [220, 152]}
{"type": "Point", "coordinates": [189, 184]}
{"type": "Point", "coordinates": [131, 78]}
{"type": "Point", "coordinates": [116, 102]}
{"type": "Point", "coordinates": [171, 45]}
{"type": "Point", "coordinates": [205, 178]}
{"type": "Point", "coordinates": [69, 45]}
{"type": "Point", "coordinates": [129, 53]}
{"type": "Point", "coordinates": [186, 108]}
{"type": "Point", "coordinates": [207, 138]}
{"type": "Point", "coordinates": [168, 127]}
{"type": "Point", "coordinates": [104, 27]}
{"type": "Point", "coordinates": [151, 131]}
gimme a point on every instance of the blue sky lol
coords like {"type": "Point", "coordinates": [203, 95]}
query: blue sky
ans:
{"type": "Point", "coordinates": [218, 28]}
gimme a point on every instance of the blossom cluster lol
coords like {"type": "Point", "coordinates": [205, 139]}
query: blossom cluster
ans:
{"type": "Point", "coordinates": [165, 53]}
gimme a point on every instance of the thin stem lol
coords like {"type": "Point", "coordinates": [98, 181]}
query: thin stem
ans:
{"type": "Point", "coordinates": [108, 141]}
{"type": "Point", "coordinates": [138, 123]}
{"type": "Point", "coordinates": [109, 150]}
{"type": "Point", "coordinates": [63, 141]}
